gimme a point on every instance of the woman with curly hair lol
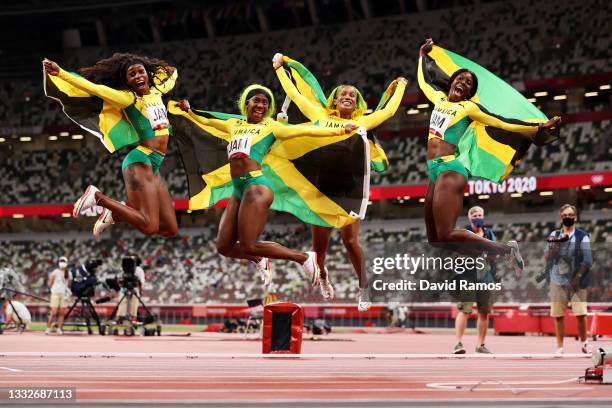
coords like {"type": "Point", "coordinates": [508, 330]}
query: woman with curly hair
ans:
{"type": "Point", "coordinates": [135, 85]}
{"type": "Point", "coordinates": [246, 213]}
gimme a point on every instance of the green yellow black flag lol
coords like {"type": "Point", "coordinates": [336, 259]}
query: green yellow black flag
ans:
{"type": "Point", "coordinates": [488, 152]}
{"type": "Point", "coordinates": [307, 85]}
{"type": "Point", "coordinates": [320, 180]}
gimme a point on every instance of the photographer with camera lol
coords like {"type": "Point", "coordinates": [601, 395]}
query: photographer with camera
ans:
{"type": "Point", "coordinates": [568, 263]}
{"type": "Point", "coordinates": [59, 281]}
{"type": "Point", "coordinates": [131, 284]}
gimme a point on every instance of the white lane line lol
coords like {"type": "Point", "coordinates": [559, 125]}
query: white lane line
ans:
{"type": "Point", "coordinates": [467, 384]}
{"type": "Point", "coordinates": [13, 370]}
{"type": "Point", "coordinates": [331, 356]}
{"type": "Point", "coordinates": [294, 390]}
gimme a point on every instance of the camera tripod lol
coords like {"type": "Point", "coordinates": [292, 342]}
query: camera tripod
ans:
{"type": "Point", "coordinates": [128, 296]}
{"type": "Point", "coordinates": [87, 313]}
{"type": "Point", "coordinates": [6, 295]}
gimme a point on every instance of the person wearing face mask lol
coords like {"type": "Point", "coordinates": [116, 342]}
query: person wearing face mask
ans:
{"type": "Point", "coordinates": [344, 104]}
{"type": "Point", "coordinates": [570, 259]}
{"type": "Point", "coordinates": [59, 282]}
{"type": "Point", "coordinates": [483, 298]}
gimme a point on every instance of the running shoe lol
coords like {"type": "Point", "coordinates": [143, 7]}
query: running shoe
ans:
{"type": "Point", "coordinates": [312, 269]}
{"type": "Point", "coordinates": [483, 349]}
{"type": "Point", "coordinates": [59, 331]}
{"type": "Point", "coordinates": [85, 202]}
{"type": "Point", "coordinates": [515, 256]}
{"type": "Point", "coordinates": [586, 348]}
{"type": "Point", "coordinates": [264, 268]}
{"type": "Point", "coordinates": [48, 330]}
{"type": "Point", "coordinates": [363, 300]}
{"type": "Point", "coordinates": [105, 221]}
{"type": "Point", "coordinates": [459, 349]}
{"type": "Point", "coordinates": [559, 351]}
{"type": "Point", "coordinates": [326, 288]}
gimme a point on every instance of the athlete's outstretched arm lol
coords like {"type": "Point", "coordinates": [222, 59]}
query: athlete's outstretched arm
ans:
{"type": "Point", "coordinates": [288, 131]}
{"type": "Point", "coordinates": [222, 125]}
{"type": "Point", "coordinates": [433, 94]}
{"type": "Point", "coordinates": [307, 107]}
{"type": "Point", "coordinates": [478, 113]}
{"type": "Point", "coordinates": [375, 119]}
{"type": "Point", "coordinates": [122, 99]}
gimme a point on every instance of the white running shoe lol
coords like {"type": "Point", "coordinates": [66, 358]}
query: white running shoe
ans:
{"type": "Point", "coordinates": [326, 288]}
{"type": "Point", "coordinates": [59, 331]}
{"type": "Point", "coordinates": [559, 351]}
{"type": "Point", "coordinates": [105, 221]}
{"type": "Point", "coordinates": [48, 330]}
{"type": "Point", "coordinates": [312, 269]}
{"type": "Point", "coordinates": [264, 268]}
{"type": "Point", "coordinates": [85, 202]}
{"type": "Point", "coordinates": [363, 300]}
{"type": "Point", "coordinates": [515, 256]}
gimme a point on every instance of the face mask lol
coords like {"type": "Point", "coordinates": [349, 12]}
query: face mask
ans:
{"type": "Point", "coordinates": [568, 221]}
{"type": "Point", "coordinates": [62, 265]}
{"type": "Point", "coordinates": [478, 222]}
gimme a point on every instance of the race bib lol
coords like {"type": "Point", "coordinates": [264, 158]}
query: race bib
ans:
{"type": "Point", "coordinates": [157, 117]}
{"type": "Point", "coordinates": [438, 123]}
{"type": "Point", "coordinates": [239, 147]}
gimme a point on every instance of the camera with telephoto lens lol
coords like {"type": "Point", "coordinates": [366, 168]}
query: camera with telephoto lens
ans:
{"type": "Point", "coordinates": [84, 278]}
{"type": "Point", "coordinates": [129, 280]}
{"type": "Point", "coordinates": [554, 239]}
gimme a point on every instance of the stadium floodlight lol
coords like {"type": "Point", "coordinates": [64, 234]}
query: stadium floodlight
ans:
{"type": "Point", "coordinates": [423, 106]}
{"type": "Point", "coordinates": [18, 215]}
{"type": "Point", "coordinates": [532, 100]}
{"type": "Point", "coordinates": [52, 137]}
{"type": "Point", "coordinates": [412, 111]}
{"type": "Point", "coordinates": [77, 137]}
{"type": "Point", "coordinates": [541, 93]}
{"type": "Point", "coordinates": [608, 189]}
{"type": "Point", "coordinates": [560, 97]}
{"type": "Point", "coordinates": [421, 200]}
{"type": "Point", "coordinates": [546, 193]}
{"type": "Point", "coordinates": [604, 87]}
{"type": "Point", "coordinates": [586, 187]}
{"type": "Point", "coordinates": [516, 195]}
{"type": "Point", "coordinates": [25, 139]}
{"type": "Point", "coordinates": [64, 133]}
{"type": "Point", "coordinates": [589, 94]}
{"type": "Point", "coordinates": [66, 215]}
{"type": "Point", "coordinates": [2, 140]}
{"type": "Point", "coordinates": [484, 197]}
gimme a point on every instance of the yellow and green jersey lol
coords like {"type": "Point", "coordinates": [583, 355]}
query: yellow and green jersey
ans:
{"type": "Point", "coordinates": [146, 113]}
{"type": "Point", "coordinates": [321, 116]}
{"type": "Point", "coordinates": [450, 120]}
{"type": "Point", "coordinates": [253, 140]}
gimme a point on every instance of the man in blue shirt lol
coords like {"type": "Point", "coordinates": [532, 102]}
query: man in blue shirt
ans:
{"type": "Point", "coordinates": [570, 259]}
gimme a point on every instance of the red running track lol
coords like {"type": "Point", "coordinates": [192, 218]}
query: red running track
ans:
{"type": "Point", "coordinates": [216, 376]}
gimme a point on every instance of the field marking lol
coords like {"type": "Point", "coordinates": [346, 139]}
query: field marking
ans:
{"type": "Point", "coordinates": [13, 370]}
{"type": "Point", "coordinates": [85, 354]}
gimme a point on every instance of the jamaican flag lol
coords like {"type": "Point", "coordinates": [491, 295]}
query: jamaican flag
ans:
{"type": "Point", "coordinates": [320, 180]}
{"type": "Point", "coordinates": [106, 121]}
{"type": "Point", "coordinates": [486, 151]}
{"type": "Point", "coordinates": [308, 86]}
{"type": "Point", "coordinates": [91, 113]}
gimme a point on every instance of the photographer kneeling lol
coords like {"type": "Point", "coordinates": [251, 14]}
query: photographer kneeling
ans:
{"type": "Point", "coordinates": [131, 283]}
{"type": "Point", "coordinates": [568, 263]}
